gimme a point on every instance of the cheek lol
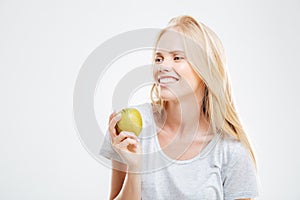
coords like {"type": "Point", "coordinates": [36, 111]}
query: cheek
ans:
{"type": "Point", "coordinates": [155, 71]}
{"type": "Point", "coordinates": [189, 75]}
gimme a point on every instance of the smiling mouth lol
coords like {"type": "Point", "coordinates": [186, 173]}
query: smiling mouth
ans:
{"type": "Point", "coordinates": [167, 80]}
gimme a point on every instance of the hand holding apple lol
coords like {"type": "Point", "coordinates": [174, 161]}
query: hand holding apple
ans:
{"type": "Point", "coordinates": [125, 142]}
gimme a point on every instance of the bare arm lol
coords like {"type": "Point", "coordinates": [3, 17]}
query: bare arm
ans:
{"type": "Point", "coordinates": [131, 188]}
{"type": "Point", "coordinates": [124, 185]}
{"type": "Point", "coordinates": [117, 178]}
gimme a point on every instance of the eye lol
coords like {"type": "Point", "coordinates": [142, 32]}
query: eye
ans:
{"type": "Point", "coordinates": [158, 59]}
{"type": "Point", "coordinates": [178, 58]}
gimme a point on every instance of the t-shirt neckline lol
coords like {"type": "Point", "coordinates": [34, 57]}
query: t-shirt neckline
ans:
{"type": "Point", "coordinates": [202, 154]}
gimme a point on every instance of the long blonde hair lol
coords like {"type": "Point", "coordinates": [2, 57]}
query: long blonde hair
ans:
{"type": "Point", "coordinates": [206, 55]}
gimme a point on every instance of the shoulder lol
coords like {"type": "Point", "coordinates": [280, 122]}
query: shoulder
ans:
{"type": "Point", "coordinates": [238, 170]}
{"type": "Point", "coordinates": [232, 150]}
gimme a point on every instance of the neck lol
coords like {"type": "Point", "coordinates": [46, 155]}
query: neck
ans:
{"type": "Point", "coordinates": [185, 116]}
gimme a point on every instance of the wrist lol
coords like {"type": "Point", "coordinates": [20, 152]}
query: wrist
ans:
{"type": "Point", "coordinates": [134, 169]}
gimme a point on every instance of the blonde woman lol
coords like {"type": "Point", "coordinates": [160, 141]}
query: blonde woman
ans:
{"type": "Point", "coordinates": [203, 149]}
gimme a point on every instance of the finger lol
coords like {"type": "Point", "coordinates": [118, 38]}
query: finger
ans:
{"type": "Point", "coordinates": [111, 116]}
{"type": "Point", "coordinates": [125, 143]}
{"type": "Point", "coordinates": [112, 125]}
{"type": "Point", "coordinates": [130, 134]}
{"type": "Point", "coordinates": [123, 135]}
{"type": "Point", "coordinates": [114, 119]}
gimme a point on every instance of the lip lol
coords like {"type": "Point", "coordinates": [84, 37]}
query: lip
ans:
{"type": "Point", "coordinates": [167, 76]}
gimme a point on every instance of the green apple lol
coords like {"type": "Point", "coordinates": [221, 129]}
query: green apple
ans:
{"type": "Point", "coordinates": [131, 121]}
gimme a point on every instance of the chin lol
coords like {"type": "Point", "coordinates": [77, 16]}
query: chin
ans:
{"type": "Point", "coordinates": [167, 95]}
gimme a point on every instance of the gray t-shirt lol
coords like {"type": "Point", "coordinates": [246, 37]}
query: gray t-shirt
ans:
{"type": "Point", "coordinates": [222, 170]}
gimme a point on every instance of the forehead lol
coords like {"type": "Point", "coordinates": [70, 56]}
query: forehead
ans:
{"type": "Point", "coordinates": [170, 41]}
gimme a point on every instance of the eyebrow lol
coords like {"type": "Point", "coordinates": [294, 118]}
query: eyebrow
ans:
{"type": "Point", "coordinates": [171, 52]}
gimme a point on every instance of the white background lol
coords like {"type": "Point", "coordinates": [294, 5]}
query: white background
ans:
{"type": "Point", "coordinates": [44, 43]}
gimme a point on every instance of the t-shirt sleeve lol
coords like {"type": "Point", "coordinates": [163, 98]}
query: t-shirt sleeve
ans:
{"type": "Point", "coordinates": [239, 175]}
{"type": "Point", "coordinates": [107, 150]}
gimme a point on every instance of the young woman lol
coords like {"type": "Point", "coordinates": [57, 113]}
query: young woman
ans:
{"type": "Point", "coordinates": [203, 150]}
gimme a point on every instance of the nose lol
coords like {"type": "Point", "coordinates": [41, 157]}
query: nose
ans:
{"type": "Point", "coordinates": [165, 66]}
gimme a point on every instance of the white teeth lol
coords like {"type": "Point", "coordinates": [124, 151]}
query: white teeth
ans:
{"type": "Point", "coordinates": [167, 80]}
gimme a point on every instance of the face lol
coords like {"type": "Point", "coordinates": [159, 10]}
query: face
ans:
{"type": "Point", "coordinates": [172, 71]}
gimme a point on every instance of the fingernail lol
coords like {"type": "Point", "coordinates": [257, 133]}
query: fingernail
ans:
{"type": "Point", "coordinates": [127, 133]}
{"type": "Point", "coordinates": [118, 116]}
{"type": "Point", "coordinates": [132, 134]}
